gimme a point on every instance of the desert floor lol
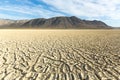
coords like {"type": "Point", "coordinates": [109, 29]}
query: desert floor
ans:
{"type": "Point", "coordinates": [59, 54]}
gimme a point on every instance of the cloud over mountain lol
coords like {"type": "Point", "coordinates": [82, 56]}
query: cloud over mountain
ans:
{"type": "Point", "coordinates": [105, 10]}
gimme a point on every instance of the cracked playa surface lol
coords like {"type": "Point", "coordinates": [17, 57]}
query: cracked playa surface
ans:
{"type": "Point", "coordinates": [59, 55]}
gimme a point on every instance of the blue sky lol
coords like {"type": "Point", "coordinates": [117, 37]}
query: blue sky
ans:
{"type": "Point", "coordinates": [104, 10]}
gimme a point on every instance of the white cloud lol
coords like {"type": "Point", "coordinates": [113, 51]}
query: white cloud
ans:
{"type": "Point", "coordinates": [88, 8]}
{"type": "Point", "coordinates": [25, 10]}
{"type": "Point", "coordinates": [6, 16]}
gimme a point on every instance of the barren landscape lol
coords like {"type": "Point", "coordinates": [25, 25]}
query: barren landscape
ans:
{"type": "Point", "coordinates": [59, 54]}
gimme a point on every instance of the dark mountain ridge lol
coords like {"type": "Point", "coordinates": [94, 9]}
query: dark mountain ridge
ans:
{"type": "Point", "coordinates": [55, 22]}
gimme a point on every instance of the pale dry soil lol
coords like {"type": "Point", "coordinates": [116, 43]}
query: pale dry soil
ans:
{"type": "Point", "coordinates": [59, 54]}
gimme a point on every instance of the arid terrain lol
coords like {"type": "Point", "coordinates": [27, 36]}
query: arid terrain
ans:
{"type": "Point", "coordinates": [59, 54]}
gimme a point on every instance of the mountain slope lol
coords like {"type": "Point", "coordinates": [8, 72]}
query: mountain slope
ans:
{"type": "Point", "coordinates": [55, 22]}
{"type": "Point", "coordinates": [65, 22]}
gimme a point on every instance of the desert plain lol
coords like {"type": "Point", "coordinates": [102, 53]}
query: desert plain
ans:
{"type": "Point", "coordinates": [59, 54]}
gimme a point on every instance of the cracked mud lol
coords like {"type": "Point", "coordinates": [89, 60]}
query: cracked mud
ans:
{"type": "Point", "coordinates": [59, 55]}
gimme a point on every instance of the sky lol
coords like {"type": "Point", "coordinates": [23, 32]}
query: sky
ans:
{"type": "Point", "coordinates": [107, 11]}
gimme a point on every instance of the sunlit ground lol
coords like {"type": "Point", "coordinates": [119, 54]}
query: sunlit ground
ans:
{"type": "Point", "coordinates": [59, 54]}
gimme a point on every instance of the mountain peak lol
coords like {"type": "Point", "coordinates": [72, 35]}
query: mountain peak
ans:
{"type": "Point", "coordinates": [74, 17]}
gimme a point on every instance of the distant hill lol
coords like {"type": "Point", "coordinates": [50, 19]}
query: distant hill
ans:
{"type": "Point", "coordinates": [55, 22]}
{"type": "Point", "coordinates": [116, 27]}
{"type": "Point", "coordinates": [7, 23]}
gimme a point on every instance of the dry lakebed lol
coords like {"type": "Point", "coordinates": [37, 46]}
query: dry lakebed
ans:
{"type": "Point", "coordinates": [59, 54]}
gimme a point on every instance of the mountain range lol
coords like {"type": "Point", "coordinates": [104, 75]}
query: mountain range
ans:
{"type": "Point", "coordinates": [61, 22]}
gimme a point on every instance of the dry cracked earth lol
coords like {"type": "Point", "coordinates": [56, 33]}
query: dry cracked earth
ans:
{"type": "Point", "coordinates": [59, 54]}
